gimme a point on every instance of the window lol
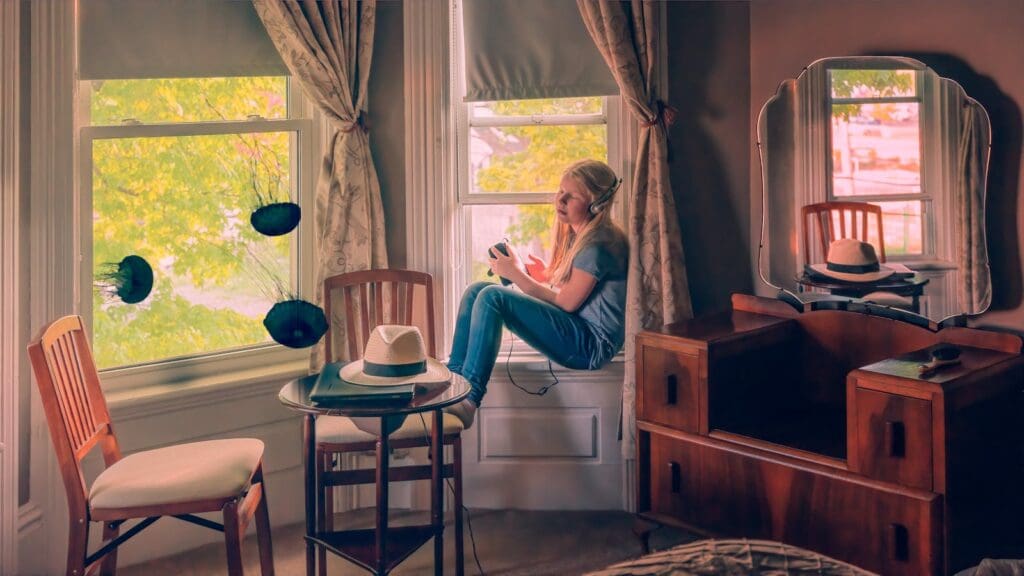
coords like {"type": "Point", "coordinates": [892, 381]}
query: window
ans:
{"type": "Point", "coordinates": [511, 161]}
{"type": "Point", "coordinates": [170, 171]}
{"type": "Point", "coordinates": [875, 140]}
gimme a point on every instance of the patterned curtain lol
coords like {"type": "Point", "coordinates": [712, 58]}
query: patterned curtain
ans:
{"type": "Point", "coordinates": [657, 293]}
{"type": "Point", "coordinates": [328, 47]}
{"type": "Point", "coordinates": [975, 292]}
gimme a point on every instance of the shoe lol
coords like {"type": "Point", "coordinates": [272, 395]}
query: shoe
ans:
{"type": "Point", "coordinates": [464, 411]}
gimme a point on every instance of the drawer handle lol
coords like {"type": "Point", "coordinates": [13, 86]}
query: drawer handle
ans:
{"type": "Point", "coordinates": [896, 439]}
{"type": "Point", "coordinates": [900, 542]}
{"type": "Point", "coordinates": [676, 478]}
{"type": "Point", "coordinates": [671, 389]}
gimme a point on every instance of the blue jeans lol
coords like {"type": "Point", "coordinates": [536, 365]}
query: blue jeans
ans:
{"type": "Point", "coordinates": [565, 338]}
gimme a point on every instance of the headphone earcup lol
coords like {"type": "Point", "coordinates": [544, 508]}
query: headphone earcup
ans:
{"type": "Point", "coordinates": [594, 208]}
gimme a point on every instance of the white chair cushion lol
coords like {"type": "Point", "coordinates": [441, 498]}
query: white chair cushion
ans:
{"type": "Point", "coordinates": [182, 473]}
{"type": "Point", "coordinates": [342, 430]}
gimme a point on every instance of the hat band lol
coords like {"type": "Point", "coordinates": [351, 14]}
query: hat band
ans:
{"type": "Point", "coordinates": [852, 268]}
{"type": "Point", "coordinates": [394, 370]}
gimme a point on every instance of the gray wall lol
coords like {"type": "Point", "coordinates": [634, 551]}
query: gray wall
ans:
{"type": "Point", "coordinates": [708, 70]}
{"type": "Point", "coordinates": [387, 124]}
{"type": "Point", "coordinates": [975, 42]}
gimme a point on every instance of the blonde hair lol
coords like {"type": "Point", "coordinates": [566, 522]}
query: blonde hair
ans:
{"type": "Point", "coordinates": [598, 179]}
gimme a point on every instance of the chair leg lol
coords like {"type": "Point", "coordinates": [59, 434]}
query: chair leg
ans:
{"type": "Point", "coordinates": [457, 472]}
{"type": "Point", "coordinates": [233, 538]}
{"type": "Point", "coordinates": [326, 506]}
{"type": "Point", "coordinates": [263, 528]}
{"type": "Point", "coordinates": [108, 566]}
{"type": "Point", "coordinates": [78, 543]}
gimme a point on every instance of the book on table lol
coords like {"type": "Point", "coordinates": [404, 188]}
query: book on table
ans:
{"type": "Point", "coordinates": [331, 389]}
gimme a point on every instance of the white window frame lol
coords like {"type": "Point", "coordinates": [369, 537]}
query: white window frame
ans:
{"type": "Point", "coordinates": [931, 207]}
{"type": "Point", "coordinates": [437, 187]}
{"type": "Point", "coordinates": [253, 362]}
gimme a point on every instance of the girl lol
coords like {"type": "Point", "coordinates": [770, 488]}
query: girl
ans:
{"type": "Point", "coordinates": [571, 311]}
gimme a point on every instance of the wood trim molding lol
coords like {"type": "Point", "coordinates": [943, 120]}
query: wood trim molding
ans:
{"type": "Point", "coordinates": [10, 306]}
{"type": "Point", "coordinates": [52, 233]}
{"type": "Point", "coordinates": [428, 148]}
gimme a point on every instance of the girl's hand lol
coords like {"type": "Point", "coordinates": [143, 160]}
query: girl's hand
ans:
{"type": "Point", "coordinates": [537, 268]}
{"type": "Point", "coordinates": [505, 266]}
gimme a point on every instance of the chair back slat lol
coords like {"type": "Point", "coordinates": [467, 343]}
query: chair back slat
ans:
{"type": "Point", "coordinates": [369, 298]}
{"type": "Point", "coordinates": [71, 391]}
{"type": "Point", "coordinates": [830, 221]}
{"type": "Point", "coordinates": [378, 303]}
{"type": "Point", "coordinates": [396, 289]}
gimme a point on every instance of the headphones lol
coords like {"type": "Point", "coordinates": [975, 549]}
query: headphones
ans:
{"type": "Point", "coordinates": [602, 201]}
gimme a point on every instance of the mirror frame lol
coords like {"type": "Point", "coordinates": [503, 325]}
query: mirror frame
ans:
{"type": "Point", "coordinates": [764, 257]}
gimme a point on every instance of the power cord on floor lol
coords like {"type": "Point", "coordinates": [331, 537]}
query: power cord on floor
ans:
{"type": "Point", "coordinates": [508, 370]}
{"type": "Point", "coordinates": [469, 522]}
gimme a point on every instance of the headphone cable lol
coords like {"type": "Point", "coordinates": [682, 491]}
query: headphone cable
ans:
{"type": "Point", "coordinates": [508, 371]}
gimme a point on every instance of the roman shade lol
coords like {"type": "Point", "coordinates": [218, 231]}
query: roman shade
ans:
{"type": "Point", "coordinates": [173, 39]}
{"type": "Point", "coordinates": [522, 49]}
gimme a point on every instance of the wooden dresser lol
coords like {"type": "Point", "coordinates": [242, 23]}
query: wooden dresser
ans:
{"type": "Point", "coordinates": [816, 429]}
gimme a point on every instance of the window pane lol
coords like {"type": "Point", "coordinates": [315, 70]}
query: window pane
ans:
{"type": "Point", "coordinates": [903, 223]}
{"type": "Point", "coordinates": [539, 106]}
{"type": "Point", "coordinates": [876, 149]}
{"type": "Point", "coordinates": [183, 204]}
{"type": "Point", "coordinates": [530, 158]}
{"type": "Point", "coordinates": [872, 83]}
{"type": "Point", "coordinates": [187, 99]}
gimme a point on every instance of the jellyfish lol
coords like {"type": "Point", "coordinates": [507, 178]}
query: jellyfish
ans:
{"type": "Point", "coordinates": [296, 323]}
{"type": "Point", "coordinates": [291, 321]}
{"type": "Point", "coordinates": [272, 216]}
{"type": "Point", "coordinates": [276, 218]}
{"type": "Point", "coordinates": [131, 279]}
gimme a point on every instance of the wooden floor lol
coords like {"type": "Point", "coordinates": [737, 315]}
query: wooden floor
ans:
{"type": "Point", "coordinates": [508, 542]}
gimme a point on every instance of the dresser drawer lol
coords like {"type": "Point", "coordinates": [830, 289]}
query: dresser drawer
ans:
{"type": "Point", "coordinates": [673, 475]}
{"type": "Point", "coordinates": [727, 488]}
{"type": "Point", "coordinates": [894, 438]}
{"type": "Point", "coordinates": [668, 388]}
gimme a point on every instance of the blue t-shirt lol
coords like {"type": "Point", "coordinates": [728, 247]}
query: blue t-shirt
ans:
{"type": "Point", "coordinates": [606, 258]}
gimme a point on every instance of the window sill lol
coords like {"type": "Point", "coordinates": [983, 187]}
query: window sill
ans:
{"type": "Point", "coordinates": [230, 386]}
{"type": "Point", "coordinates": [929, 265]}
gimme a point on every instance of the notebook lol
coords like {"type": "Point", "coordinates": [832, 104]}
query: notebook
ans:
{"type": "Point", "coordinates": [331, 389]}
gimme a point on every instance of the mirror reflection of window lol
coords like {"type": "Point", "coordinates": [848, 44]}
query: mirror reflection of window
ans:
{"type": "Point", "coordinates": [875, 139]}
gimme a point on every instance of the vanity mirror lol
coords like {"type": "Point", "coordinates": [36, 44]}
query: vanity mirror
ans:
{"type": "Point", "coordinates": [884, 152]}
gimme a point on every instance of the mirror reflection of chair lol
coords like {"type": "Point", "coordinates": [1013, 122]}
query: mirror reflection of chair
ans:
{"type": "Point", "coordinates": [369, 298]}
{"type": "Point", "coordinates": [831, 221]}
{"type": "Point", "coordinates": [180, 481]}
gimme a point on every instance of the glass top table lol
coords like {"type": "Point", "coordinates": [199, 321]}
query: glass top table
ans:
{"type": "Point", "coordinates": [380, 549]}
{"type": "Point", "coordinates": [295, 395]}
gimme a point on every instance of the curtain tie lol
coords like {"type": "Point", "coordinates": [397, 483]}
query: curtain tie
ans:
{"type": "Point", "coordinates": [360, 123]}
{"type": "Point", "coordinates": [665, 116]}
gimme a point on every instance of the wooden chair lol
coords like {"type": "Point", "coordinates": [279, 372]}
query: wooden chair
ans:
{"type": "Point", "coordinates": [367, 299]}
{"type": "Point", "coordinates": [178, 481]}
{"type": "Point", "coordinates": [835, 220]}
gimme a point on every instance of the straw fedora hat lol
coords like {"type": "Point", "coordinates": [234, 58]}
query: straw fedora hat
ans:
{"type": "Point", "coordinates": [851, 260]}
{"type": "Point", "coordinates": [394, 355]}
